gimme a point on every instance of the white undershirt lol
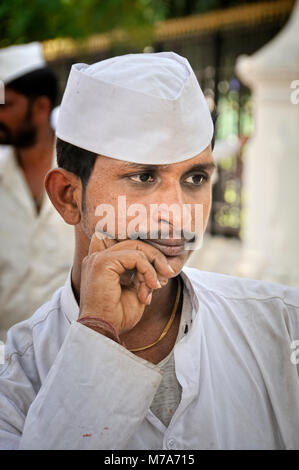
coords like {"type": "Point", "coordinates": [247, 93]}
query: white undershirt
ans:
{"type": "Point", "coordinates": [168, 395]}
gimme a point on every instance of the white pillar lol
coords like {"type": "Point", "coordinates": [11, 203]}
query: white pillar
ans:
{"type": "Point", "coordinates": [271, 170]}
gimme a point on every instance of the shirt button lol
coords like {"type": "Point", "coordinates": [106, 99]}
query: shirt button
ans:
{"type": "Point", "coordinates": [171, 444]}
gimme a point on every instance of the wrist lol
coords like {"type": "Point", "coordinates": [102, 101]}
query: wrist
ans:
{"type": "Point", "coordinates": [101, 326]}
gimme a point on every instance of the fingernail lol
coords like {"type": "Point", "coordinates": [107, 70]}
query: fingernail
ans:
{"type": "Point", "coordinates": [170, 268]}
{"type": "Point", "coordinates": [159, 284]}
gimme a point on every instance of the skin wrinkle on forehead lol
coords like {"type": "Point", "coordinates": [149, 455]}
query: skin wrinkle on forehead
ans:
{"type": "Point", "coordinates": [129, 165]}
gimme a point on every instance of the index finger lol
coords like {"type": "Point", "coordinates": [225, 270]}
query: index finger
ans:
{"type": "Point", "coordinates": [98, 243]}
{"type": "Point", "coordinates": [155, 257]}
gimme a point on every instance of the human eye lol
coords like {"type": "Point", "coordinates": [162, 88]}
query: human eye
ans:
{"type": "Point", "coordinates": [143, 178]}
{"type": "Point", "coordinates": [196, 179]}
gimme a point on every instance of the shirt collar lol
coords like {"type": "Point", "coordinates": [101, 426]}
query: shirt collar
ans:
{"type": "Point", "coordinates": [189, 284]}
{"type": "Point", "coordinates": [70, 307]}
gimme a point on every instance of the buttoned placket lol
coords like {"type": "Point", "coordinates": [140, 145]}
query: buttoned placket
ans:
{"type": "Point", "coordinates": [186, 375]}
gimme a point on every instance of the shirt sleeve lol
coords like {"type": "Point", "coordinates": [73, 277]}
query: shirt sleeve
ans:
{"type": "Point", "coordinates": [95, 396]}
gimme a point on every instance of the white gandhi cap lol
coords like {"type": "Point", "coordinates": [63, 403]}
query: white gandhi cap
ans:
{"type": "Point", "coordinates": [16, 61]}
{"type": "Point", "coordinates": [143, 108]}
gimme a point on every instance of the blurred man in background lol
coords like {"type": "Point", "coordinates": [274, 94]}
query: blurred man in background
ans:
{"type": "Point", "coordinates": [35, 245]}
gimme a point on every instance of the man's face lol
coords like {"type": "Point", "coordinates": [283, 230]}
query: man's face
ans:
{"type": "Point", "coordinates": [185, 184]}
{"type": "Point", "coordinates": [16, 124]}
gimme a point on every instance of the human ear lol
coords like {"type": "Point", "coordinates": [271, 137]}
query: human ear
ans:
{"type": "Point", "coordinates": [41, 107]}
{"type": "Point", "coordinates": [64, 189]}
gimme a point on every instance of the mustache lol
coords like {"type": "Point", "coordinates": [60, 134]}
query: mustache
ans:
{"type": "Point", "coordinates": [164, 235]}
{"type": "Point", "coordinates": [186, 236]}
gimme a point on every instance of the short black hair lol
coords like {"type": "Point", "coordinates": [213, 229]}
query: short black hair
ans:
{"type": "Point", "coordinates": [39, 82]}
{"type": "Point", "coordinates": [75, 159]}
{"type": "Point", "coordinates": [214, 116]}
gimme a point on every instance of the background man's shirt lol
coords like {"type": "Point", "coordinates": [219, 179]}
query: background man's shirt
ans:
{"type": "Point", "coordinates": [36, 250]}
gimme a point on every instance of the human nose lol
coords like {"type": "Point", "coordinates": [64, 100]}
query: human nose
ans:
{"type": "Point", "coordinates": [170, 192]}
{"type": "Point", "coordinates": [167, 207]}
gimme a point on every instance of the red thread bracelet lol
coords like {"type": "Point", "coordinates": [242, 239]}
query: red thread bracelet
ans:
{"type": "Point", "coordinates": [98, 323]}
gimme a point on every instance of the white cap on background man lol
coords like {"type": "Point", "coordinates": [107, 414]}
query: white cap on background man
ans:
{"type": "Point", "coordinates": [16, 61]}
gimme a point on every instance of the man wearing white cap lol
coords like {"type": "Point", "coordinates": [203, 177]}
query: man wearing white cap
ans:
{"type": "Point", "coordinates": [135, 351]}
{"type": "Point", "coordinates": [35, 245]}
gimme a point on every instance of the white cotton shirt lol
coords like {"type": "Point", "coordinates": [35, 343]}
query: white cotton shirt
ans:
{"type": "Point", "coordinates": [65, 386]}
{"type": "Point", "coordinates": [36, 251]}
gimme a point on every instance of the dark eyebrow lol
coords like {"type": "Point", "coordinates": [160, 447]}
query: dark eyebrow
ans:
{"type": "Point", "coordinates": [202, 166]}
{"type": "Point", "coordinates": [144, 167]}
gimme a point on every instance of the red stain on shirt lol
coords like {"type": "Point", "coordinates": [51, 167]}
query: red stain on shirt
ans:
{"type": "Point", "coordinates": [106, 428]}
{"type": "Point", "coordinates": [86, 435]}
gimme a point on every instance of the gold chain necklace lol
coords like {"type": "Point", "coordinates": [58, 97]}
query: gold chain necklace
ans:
{"type": "Point", "coordinates": [169, 323]}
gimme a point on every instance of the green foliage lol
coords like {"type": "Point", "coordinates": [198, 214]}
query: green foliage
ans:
{"type": "Point", "coordinates": [23, 21]}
